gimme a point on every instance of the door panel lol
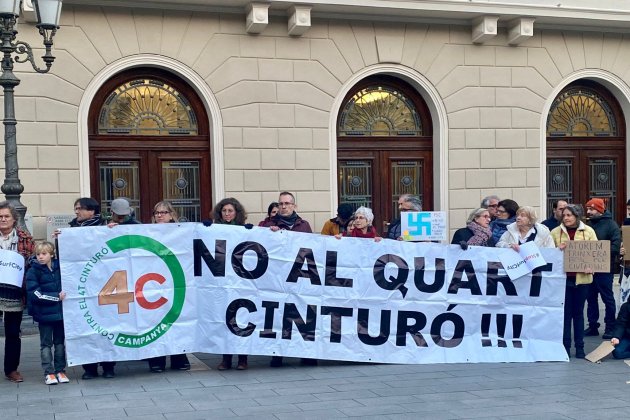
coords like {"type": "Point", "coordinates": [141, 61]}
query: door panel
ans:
{"type": "Point", "coordinates": [119, 178]}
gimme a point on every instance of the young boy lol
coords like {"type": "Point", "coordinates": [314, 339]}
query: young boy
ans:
{"type": "Point", "coordinates": [43, 284]}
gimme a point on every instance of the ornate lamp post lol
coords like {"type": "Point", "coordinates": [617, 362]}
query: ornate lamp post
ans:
{"type": "Point", "coordinates": [48, 13]}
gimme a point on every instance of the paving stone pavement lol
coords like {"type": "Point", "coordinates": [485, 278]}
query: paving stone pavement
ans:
{"type": "Point", "coordinates": [575, 390]}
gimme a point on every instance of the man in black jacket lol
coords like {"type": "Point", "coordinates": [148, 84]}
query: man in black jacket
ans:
{"type": "Point", "coordinates": [605, 228]}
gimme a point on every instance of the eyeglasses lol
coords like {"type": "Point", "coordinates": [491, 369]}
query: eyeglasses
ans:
{"type": "Point", "coordinates": [286, 203]}
{"type": "Point", "coordinates": [160, 213]}
{"type": "Point", "coordinates": [501, 211]}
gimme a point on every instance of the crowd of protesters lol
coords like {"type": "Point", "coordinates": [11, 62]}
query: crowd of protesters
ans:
{"type": "Point", "coordinates": [496, 223]}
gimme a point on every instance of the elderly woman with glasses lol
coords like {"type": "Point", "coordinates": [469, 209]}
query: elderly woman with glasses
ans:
{"type": "Point", "coordinates": [526, 229]}
{"type": "Point", "coordinates": [477, 231]}
{"type": "Point", "coordinates": [362, 226]}
{"type": "Point", "coordinates": [164, 212]}
{"type": "Point", "coordinates": [576, 290]}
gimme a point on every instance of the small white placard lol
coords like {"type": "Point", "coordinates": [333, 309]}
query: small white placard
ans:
{"type": "Point", "coordinates": [518, 264]}
{"type": "Point", "coordinates": [11, 268]}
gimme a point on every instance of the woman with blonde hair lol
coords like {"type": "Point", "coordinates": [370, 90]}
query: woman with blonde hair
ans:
{"type": "Point", "coordinates": [526, 229]}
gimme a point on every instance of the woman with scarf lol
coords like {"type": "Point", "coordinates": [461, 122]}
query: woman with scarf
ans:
{"type": "Point", "coordinates": [363, 218]}
{"type": "Point", "coordinates": [477, 231]}
{"type": "Point", "coordinates": [12, 297]}
{"type": "Point", "coordinates": [230, 211]}
{"type": "Point", "coordinates": [506, 214]}
{"type": "Point", "coordinates": [576, 290]}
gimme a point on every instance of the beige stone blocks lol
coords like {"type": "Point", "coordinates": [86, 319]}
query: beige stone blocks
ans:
{"type": "Point", "coordinates": [511, 178]}
{"type": "Point", "coordinates": [277, 115]}
{"type": "Point", "coordinates": [234, 180]}
{"type": "Point", "coordinates": [526, 158]}
{"type": "Point", "coordinates": [67, 134]}
{"type": "Point", "coordinates": [539, 59]}
{"type": "Point", "coordinates": [457, 138]}
{"type": "Point", "coordinates": [260, 138]}
{"type": "Point", "coordinates": [276, 70]}
{"type": "Point", "coordinates": [464, 199]}
{"type": "Point", "coordinates": [480, 55]}
{"type": "Point", "coordinates": [310, 117]}
{"type": "Point", "coordinates": [232, 137]}
{"type": "Point", "coordinates": [278, 159]}
{"type": "Point", "coordinates": [511, 56]}
{"type": "Point", "coordinates": [321, 138]}
{"type": "Point", "coordinates": [57, 157]}
{"type": "Point", "coordinates": [56, 203]}
{"type": "Point", "coordinates": [495, 76]}
{"type": "Point", "coordinates": [526, 196]}
{"type": "Point", "coordinates": [470, 97]}
{"type": "Point", "coordinates": [316, 74]}
{"type": "Point", "coordinates": [242, 116]}
{"type": "Point", "coordinates": [464, 159]}
{"type": "Point", "coordinates": [459, 78]}
{"type": "Point", "coordinates": [480, 139]}
{"type": "Point", "coordinates": [295, 138]}
{"type": "Point", "coordinates": [247, 92]}
{"type": "Point", "coordinates": [495, 117]}
{"type": "Point", "coordinates": [329, 56]}
{"type": "Point", "coordinates": [313, 159]}
{"type": "Point", "coordinates": [533, 177]}
{"type": "Point", "coordinates": [260, 180]}
{"type": "Point", "coordinates": [216, 52]}
{"type": "Point", "coordinates": [257, 46]}
{"type": "Point", "coordinates": [314, 200]}
{"type": "Point", "coordinates": [293, 48]}
{"type": "Point", "coordinates": [511, 138]}
{"type": "Point", "coordinates": [343, 36]}
{"type": "Point", "coordinates": [321, 180]}
{"type": "Point", "coordinates": [69, 181]}
{"type": "Point", "coordinates": [389, 43]}
{"type": "Point", "coordinates": [295, 180]}
{"type": "Point", "coordinates": [457, 179]}
{"type": "Point", "coordinates": [523, 118]}
{"type": "Point", "coordinates": [467, 118]}
{"type": "Point", "coordinates": [480, 178]}
{"type": "Point", "coordinates": [242, 159]}
{"type": "Point", "coordinates": [496, 158]}
{"type": "Point", "coordinates": [55, 111]}
{"type": "Point", "coordinates": [36, 133]}
{"type": "Point", "coordinates": [450, 56]}
{"type": "Point", "coordinates": [519, 98]}
{"type": "Point", "coordinates": [43, 181]}
{"type": "Point", "coordinates": [234, 70]}
{"type": "Point", "coordinates": [305, 94]}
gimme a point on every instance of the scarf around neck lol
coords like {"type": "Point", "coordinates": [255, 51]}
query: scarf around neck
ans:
{"type": "Point", "coordinates": [481, 235]}
{"type": "Point", "coordinates": [287, 221]}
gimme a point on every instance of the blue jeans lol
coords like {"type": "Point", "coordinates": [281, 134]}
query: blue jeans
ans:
{"type": "Point", "coordinates": [52, 333]}
{"type": "Point", "coordinates": [574, 299]}
{"type": "Point", "coordinates": [602, 285]}
{"type": "Point", "coordinates": [622, 350]}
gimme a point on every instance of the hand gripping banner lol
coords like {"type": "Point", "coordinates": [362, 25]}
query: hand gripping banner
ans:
{"type": "Point", "coordinates": [147, 290]}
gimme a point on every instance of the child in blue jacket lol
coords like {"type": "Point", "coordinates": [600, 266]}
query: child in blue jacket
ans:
{"type": "Point", "coordinates": [43, 287]}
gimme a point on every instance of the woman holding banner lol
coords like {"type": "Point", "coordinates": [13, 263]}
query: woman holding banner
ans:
{"type": "Point", "coordinates": [230, 211]}
{"type": "Point", "coordinates": [573, 229]}
{"type": "Point", "coordinates": [477, 231]}
{"type": "Point", "coordinates": [525, 229]}
{"type": "Point", "coordinates": [163, 212]}
{"type": "Point", "coordinates": [11, 296]}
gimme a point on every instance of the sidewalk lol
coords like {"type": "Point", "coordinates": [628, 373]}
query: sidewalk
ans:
{"type": "Point", "coordinates": [575, 390]}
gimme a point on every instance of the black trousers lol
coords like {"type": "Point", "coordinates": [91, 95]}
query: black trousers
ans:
{"type": "Point", "coordinates": [12, 341]}
{"type": "Point", "coordinates": [93, 367]}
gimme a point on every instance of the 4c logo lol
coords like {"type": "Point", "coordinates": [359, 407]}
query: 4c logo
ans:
{"type": "Point", "coordinates": [116, 290]}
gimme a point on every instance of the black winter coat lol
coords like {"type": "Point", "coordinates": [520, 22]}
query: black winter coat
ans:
{"type": "Point", "coordinates": [42, 289]}
{"type": "Point", "coordinates": [607, 229]}
{"type": "Point", "coordinates": [622, 326]}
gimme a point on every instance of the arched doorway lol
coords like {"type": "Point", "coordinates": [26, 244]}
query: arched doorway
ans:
{"type": "Point", "coordinates": [384, 147]}
{"type": "Point", "coordinates": [149, 141]}
{"type": "Point", "coordinates": [586, 147]}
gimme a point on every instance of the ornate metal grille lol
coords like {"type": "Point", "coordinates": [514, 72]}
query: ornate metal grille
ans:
{"type": "Point", "coordinates": [149, 108]}
{"type": "Point", "coordinates": [181, 187]}
{"type": "Point", "coordinates": [355, 182]}
{"type": "Point", "coordinates": [603, 182]}
{"type": "Point", "coordinates": [406, 179]}
{"type": "Point", "coordinates": [120, 179]}
{"type": "Point", "coordinates": [581, 112]}
{"type": "Point", "coordinates": [379, 111]}
{"type": "Point", "coordinates": [559, 181]}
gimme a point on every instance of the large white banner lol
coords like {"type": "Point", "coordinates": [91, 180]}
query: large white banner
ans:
{"type": "Point", "coordinates": [147, 290]}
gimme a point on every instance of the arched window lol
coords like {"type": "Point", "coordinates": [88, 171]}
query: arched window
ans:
{"type": "Point", "coordinates": [385, 147]}
{"type": "Point", "coordinates": [147, 107]}
{"type": "Point", "coordinates": [581, 112]}
{"type": "Point", "coordinates": [586, 147]}
{"type": "Point", "coordinates": [149, 141]}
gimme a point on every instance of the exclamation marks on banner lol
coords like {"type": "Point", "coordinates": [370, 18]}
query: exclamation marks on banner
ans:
{"type": "Point", "coordinates": [501, 323]}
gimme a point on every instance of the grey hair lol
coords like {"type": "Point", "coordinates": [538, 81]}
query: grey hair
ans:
{"type": "Point", "coordinates": [476, 213]}
{"type": "Point", "coordinates": [486, 201]}
{"type": "Point", "coordinates": [14, 214]}
{"type": "Point", "coordinates": [367, 212]}
{"type": "Point", "coordinates": [416, 203]}
{"type": "Point", "coordinates": [530, 213]}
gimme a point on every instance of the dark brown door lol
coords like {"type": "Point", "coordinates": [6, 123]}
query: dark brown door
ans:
{"type": "Point", "coordinates": [376, 178]}
{"type": "Point", "coordinates": [149, 141]}
{"type": "Point", "coordinates": [580, 173]}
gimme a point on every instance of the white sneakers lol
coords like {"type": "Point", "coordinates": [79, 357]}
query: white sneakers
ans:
{"type": "Point", "coordinates": [60, 378]}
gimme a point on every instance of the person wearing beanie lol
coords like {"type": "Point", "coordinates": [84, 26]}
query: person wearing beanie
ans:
{"type": "Point", "coordinates": [606, 229]}
{"type": "Point", "coordinates": [339, 225]}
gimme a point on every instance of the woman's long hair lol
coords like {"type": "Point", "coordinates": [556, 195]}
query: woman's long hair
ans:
{"type": "Point", "coordinates": [241, 214]}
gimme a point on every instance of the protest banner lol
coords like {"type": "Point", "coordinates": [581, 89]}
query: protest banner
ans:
{"type": "Point", "coordinates": [146, 290]}
{"type": "Point", "coordinates": [423, 225]}
{"type": "Point", "coordinates": [11, 268]}
{"type": "Point", "coordinates": [517, 264]}
{"type": "Point", "coordinates": [583, 256]}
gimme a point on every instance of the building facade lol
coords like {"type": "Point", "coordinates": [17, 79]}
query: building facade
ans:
{"type": "Point", "coordinates": [358, 101]}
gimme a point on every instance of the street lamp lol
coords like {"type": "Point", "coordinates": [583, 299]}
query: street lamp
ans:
{"type": "Point", "coordinates": [48, 13]}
